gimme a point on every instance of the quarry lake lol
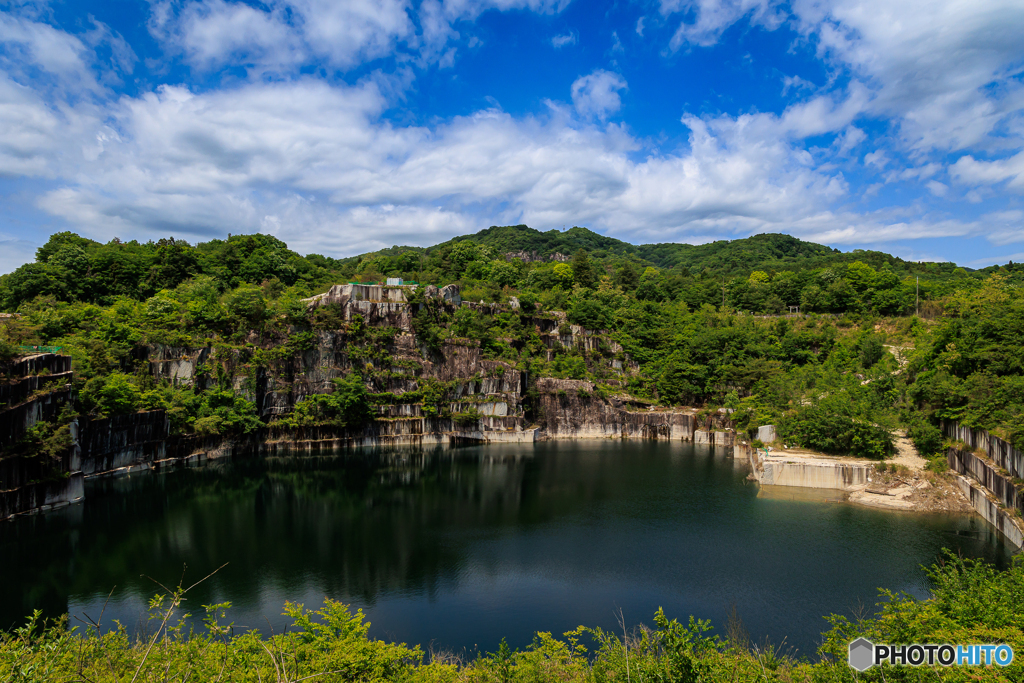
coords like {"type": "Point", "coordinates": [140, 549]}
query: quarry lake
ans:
{"type": "Point", "coordinates": [456, 548]}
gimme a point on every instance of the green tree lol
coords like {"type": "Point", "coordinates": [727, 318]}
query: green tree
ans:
{"type": "Point", "coordinates": [627, 277]}
{"type": "Point", "coordinates": [563, 275]}
{"type": "Point", "coordinates": [582, 270]}
{"type": "Point", "coordinates": [348, 406]}
{"type": "Point", "coordinates": [652, 286]}
{"type": "Point", "coordinates": [113, 394]}
{"type": "Point", "coordinates": [503, 274]}
{"type": "Point", "coordinates": [247, 307]}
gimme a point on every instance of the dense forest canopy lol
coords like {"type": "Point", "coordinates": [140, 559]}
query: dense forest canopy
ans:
{"type": "Point", "coordinates": [702, 323]}
{"type": "Point", "coordinates": [760, 274]}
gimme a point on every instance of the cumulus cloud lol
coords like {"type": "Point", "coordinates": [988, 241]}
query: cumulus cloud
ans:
{"type": "Point", "coordinates": [320, 165]}
{"type": "Point", "coordinates": [30, 133]}
{"type": "Point", "coordinates": [597, 94]}
{"type": "Point", "coordinates": [945, 68]}
{"type": "Point", "coordinates": [969, 170]}
{"type": "Point", "coordinates": [283, 36]}
{"type": "Point", "coordinates": [946, 73]}
{"type": "Point", "coordinates": [35, 51]}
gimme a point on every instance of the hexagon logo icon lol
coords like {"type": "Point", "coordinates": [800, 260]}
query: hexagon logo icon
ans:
{"type": "Point", "coordinates": [862, 654]}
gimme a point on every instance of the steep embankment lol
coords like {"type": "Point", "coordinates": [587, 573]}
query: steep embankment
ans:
{"type": "Point", "coordinates": [40, 464]}
{"type": "Point", "coordinates": [449, 393]}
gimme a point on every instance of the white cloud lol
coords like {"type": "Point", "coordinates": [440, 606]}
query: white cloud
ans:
{"type": "Point", "coordinates": [944, 68]}
{"type": "Point", "coordinates": [564, 39]}
{"type": "Point", "coordinates": [850, 138]}
{"type": "Point", "coordinates": [282, 35]}
{"type": "Point", "coordinates": [597, 94]}
{"type": "Point", "coordinates": [1005, 227]}
{"type": "Point", "coordinates": [713, 17]}
{"type": "Point", "coordinates": [795, 83]}
{"type": "Point", "coordinates": [211, 33]}
{"type": "Point", "coordinates": [29, 132]}
{"type": "Point", "coordinates": [320, 165]}
{"type": "Point", "coordinates": [945, 72]}
{"type": "Point", "coordinates": [967, 169]}
{"type": "Point", "coordinates": [30, 47]}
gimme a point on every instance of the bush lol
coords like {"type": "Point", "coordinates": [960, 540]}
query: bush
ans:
{"type": "Point", "coordinates": [824, 429]}
{"type": "Point", "coordinates": [591, 314]}
{"type": "Point", "coordinates": [114, 394]}
{"type": "Point", "coordinates": [927, 438]}
{"type": "Point", "coordinates": [349, 406]}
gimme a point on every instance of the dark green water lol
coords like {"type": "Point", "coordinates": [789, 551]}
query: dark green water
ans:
{"type": "Point", "coordinates": [462, 547]}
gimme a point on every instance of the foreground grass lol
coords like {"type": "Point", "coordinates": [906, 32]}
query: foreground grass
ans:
{"type": "Point", "coordinates": [971, 603]}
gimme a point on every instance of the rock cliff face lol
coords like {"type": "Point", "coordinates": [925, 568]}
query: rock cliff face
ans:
{"type": "Point", "coordinates": [34, 390]}
{"type": "Point", "coordinates": [571, 409]}
{"type": "Point", "coordinates": [531, 256]}
{"type": "Point", "coordinates": [475, 399]}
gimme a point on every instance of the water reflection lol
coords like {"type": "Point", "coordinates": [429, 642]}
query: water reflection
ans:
{"type": "Point", "coordinates": [468, 545]}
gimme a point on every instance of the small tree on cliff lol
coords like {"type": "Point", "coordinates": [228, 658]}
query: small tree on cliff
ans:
{"type": "Point", "coordinates": [349, 406]}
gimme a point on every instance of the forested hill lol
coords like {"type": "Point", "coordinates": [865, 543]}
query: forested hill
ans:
{"type": "Point", "coordinates": [728, 258]}
{"type": "Point", "coordinates": [696, 325]}
{"type": "Point", "coordinates": [72, 268]}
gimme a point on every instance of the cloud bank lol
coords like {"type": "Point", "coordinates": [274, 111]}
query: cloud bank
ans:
{"type": "Point", "coordinates": [320, 163]}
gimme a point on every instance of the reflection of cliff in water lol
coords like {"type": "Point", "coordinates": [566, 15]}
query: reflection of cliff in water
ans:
{"type": "Point", "coordinates": [357, 526]}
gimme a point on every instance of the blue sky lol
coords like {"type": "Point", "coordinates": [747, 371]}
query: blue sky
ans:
{"type": "Point", "coordinates": [343, 127]}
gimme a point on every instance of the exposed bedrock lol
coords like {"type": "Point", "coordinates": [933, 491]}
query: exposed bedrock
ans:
{"type": "Point", "coordinates": [484, 400]}
{"type": "Point", "coordinates": [571, 409]}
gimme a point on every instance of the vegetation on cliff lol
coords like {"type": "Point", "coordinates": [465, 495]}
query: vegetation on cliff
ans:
{"type": "Point", "coordinates": [971, 603]}
{"type": "Point", "coordinates": [680, 324]}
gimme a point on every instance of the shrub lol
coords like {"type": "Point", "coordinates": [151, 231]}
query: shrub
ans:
{"type": "Point", "coordinates": [927, 438]}
{"type": "Point", "coordinates": [824, 429]}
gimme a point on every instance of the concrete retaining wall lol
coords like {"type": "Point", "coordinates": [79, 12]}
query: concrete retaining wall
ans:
{"type": "Point", "coordinates": [1005, 522]}
{"type": "Point", "coordinates": [997, 450]}
{"type": "Point", "coordinates": [818, 474]}
{"type": "Point", "coordinates": [985, 472]}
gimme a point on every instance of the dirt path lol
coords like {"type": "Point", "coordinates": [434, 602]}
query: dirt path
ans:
{"type": "Point", "coordinates": [906, 454]}
{"type": "Point", "coordinates": [906, 485]}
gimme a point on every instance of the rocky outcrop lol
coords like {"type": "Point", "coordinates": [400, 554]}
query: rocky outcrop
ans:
{"type": "Point", "coordinates": [341, 295]}
{"type": "Point", "coordinates": [472, 399]}
{"type": "Point", "coordinates": [35, 389]}
{"type": "Point", "coordinates": [40, 496]}
{"type": "Point", "coordinates": [988, 474]}
{"type": "Point", "coordinates": [450, 294]}
{"type": "Point", "coordinates": [533, 256]}
{"type": "Point", "coordinates": [1005, 521]}
{"type": "Point", "coordinates": [571, 409]}
{"type": "Point", "coordinates": [124, 441]}
{"type": "Point", "coordinates": [1000, 452]}
{"type": "Point", "coordinates": [32, 389]}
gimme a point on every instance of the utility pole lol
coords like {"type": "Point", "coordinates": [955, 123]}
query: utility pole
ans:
{"type": "Point", "coordinates": [917, 298]}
